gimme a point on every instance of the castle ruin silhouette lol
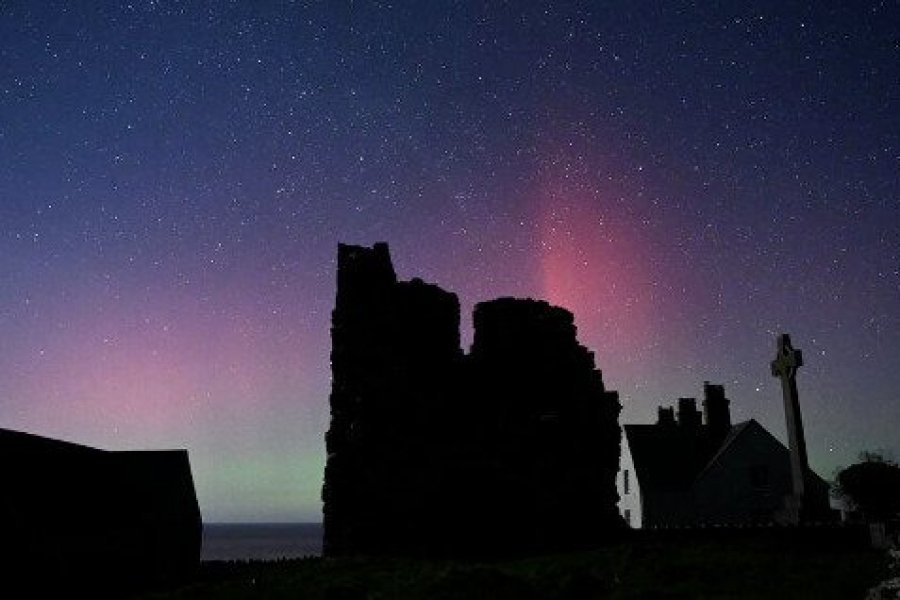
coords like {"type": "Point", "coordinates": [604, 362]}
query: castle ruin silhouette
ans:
{"type": "Point", "coordinates": [513, 447]}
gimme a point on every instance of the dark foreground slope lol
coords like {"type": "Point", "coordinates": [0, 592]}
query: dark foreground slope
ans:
{"type": "Point", "coordinates": [711, 567]}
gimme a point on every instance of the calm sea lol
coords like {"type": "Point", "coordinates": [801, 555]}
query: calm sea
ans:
{"type": "Point", "coordinates": [261, 541]}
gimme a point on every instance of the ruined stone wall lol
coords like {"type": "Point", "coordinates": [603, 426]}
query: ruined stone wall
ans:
{"type": "Point", "coordinates": [514, 447]}
{"type": "Point", "coordinates": [555, 443]}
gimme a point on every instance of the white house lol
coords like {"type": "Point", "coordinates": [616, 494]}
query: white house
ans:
{"type": "Point", "coordinates": [628, 488]}
{"type": "Point", "coordinates": [690, 472]}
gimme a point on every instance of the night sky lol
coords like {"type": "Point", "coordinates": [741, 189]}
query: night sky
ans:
{"type": "Point", "coordinates": [689, 178]}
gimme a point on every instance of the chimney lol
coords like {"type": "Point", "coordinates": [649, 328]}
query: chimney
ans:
{"type": "Point", "coordinates": [666, 416]}
{"type": "Point", "coordinates": [688, 415]}
{"type": "Point", "coordinates": [716, 413]}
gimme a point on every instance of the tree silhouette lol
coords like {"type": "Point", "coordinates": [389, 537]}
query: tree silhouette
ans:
{"type": "Point", "coordinates": [871, 487]}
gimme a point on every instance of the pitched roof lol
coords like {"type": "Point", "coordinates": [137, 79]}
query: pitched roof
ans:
{"type": "Point", "coordinates": [98, 485]}
{"type": "Point", "coordinates": [671, 458]}
{"type": "Point", "coordinates": [668, 458]}
{"type": "Point", "coordinates": [740, 428]}
{"type": "Point", "coordinates": [733, 434]}
{"type": "Point", "coordinates": [12, 440]}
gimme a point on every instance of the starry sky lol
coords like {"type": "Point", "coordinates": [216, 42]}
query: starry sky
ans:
{"type": "Point", "coordinates": [689, 178]}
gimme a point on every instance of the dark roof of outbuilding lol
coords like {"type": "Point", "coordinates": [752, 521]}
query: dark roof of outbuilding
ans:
{"type": "Point", "coordinates": [11, 440]}
{"type": "Point", "coordinates": [38, 471]}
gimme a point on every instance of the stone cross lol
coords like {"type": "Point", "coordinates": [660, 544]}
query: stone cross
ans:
{"type": "Point", "coordinates": [784, 367]}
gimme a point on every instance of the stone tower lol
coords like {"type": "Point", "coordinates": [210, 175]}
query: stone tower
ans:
{"type": "Point", "coordinates": [394, 346]}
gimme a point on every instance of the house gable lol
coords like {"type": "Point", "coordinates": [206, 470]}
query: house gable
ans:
{"type": "Point", "coordinates": [748, 479]}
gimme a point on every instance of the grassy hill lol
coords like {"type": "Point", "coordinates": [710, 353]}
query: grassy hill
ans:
{"type": "Point", "coordinates": [648, 568]}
